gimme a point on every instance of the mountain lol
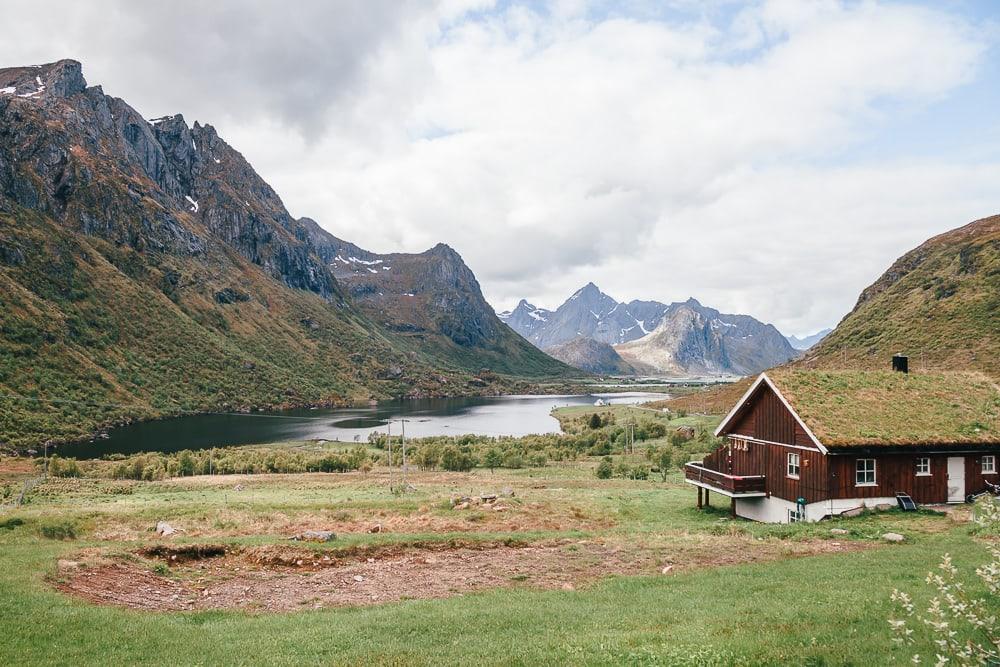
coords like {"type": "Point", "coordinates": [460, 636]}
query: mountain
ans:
{"type": "Point", "coordinates": [651, 337]}
{"type": "Point", "coordinates": [589, 313]}
{"type": "Point", "coordinates": [694, 340]}
{"type": "Point", "coordinates": [806, 342]}
{"type": "Point", "coordinates": [146, 269]}
{"type": "Point", "coordinates": [525, 319]}
{"type": "Point", "coordinates": [431, 303]}
{"type": "Point", "coordinates": [591, 355]}
{"type": "Point", "coordinates": [938, 303]}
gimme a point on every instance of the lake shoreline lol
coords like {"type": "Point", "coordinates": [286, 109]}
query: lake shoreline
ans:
{"type": "Point", "coordinates": [512, 415]}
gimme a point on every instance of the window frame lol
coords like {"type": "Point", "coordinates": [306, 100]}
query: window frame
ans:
{"type": "Point", "coordinates": [993, 464]}
{"type": "Point", "coordinates": [920, 461]}
{"type": "Point", "coordinates": [796, 515]}
{"type": "Point", "coordinates": [789, 465]}
{"type": "Point", "coordinates": [858, 471]}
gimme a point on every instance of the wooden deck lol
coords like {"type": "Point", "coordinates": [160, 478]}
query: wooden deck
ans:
{"type": "Point", "coordinates": [734, 486]}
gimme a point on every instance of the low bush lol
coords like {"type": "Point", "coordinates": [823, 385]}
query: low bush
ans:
{"type": "Point", "coordinates": [59, 529]}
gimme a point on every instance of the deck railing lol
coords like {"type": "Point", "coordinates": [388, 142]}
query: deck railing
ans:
{"type": "Point", "coordinates": [696, 472]}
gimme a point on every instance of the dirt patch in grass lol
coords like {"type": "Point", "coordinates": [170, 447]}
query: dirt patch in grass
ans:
{"type": "Point", "coordinates": [430, 517]}
{"type": "Point", "coordinates": [278, 578]}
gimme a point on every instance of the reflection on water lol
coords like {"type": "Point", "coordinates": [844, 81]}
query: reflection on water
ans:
{"type": "Point", "coordinates": [507, 415]}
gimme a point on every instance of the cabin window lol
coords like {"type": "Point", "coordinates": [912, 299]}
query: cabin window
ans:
{"type": "Point", "coordinates": [793, 466]}
{"type": "Point", "coordinates": [796, 515]}
{"type": "Point", "coordinates": [989, 464]}
{"type": "Point", "coordinates": [923, 467]}
{"type": "Point", "coordinates": [865, 472]}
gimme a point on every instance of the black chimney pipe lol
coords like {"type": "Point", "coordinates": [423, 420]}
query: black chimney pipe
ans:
{"type": "Point", "coordinates": [900, 363]}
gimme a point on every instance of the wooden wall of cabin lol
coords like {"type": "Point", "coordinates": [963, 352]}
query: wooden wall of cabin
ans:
{"type": "Point", "coordinates": [765, 417]}
{"type": "Point", "coordinates": [894, 473]}
{"type": "Point", "coordinates": [755, 458]}
{"type": "Point", "coordinates": [974, 477]}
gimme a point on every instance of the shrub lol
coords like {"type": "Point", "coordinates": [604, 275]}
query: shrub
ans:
{"type": "Point", "coordinates": [493, 458]}
{"type": "Point", "coordinates": [513, 460]}
{"type": "Point", "coordinates": [60, 467]}
{"type": "Point", "coordinates": [11, 524]}
{"type": "Point", "coordinates": [455, 460]}
{"type": "Point", "coordinates": [639, 472]}
{"type": "Point", "coordinates": [595, 421]}
{"type": "Point", "coordinates": [58, 529]}
{"type": "Point", "coordinates": [964, 629]}
{"type": "Point", "coordinates": [605, 468]}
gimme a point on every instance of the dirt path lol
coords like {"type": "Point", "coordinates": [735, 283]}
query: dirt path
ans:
{"type": "Point", "coordinates": [279, 578]}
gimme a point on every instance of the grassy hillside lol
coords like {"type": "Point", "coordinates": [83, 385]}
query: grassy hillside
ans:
{"type": "Point", "coordinates": [938, 303]}
{"type": "Point", "coordinates": [92, 334]}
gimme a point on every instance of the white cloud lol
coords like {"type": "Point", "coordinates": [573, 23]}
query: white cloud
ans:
{"type": "Point", "coordinates": [708, 156]}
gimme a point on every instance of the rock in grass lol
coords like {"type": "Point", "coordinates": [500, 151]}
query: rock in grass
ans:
{"type": "Point", "coordinates": [839, 531]}
{"type": "Point", "coordinates": [164, 529]}
{"type": "Point", "coordinates": [315, 536]}
{"type": "Point", "coordinates": [854, 512]}
{"type": "Point", "coordinates": [893, 537]}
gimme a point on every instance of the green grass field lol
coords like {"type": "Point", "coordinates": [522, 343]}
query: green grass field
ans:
{"type": "Point", "coordinates": [737, 593]}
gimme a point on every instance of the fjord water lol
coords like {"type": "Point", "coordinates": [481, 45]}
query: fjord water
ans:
{"type": "Point", "coordinates": [495, 416]}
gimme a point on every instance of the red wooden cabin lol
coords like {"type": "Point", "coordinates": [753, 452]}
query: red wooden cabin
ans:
{"type": "Point", "coordinates": [802, 445]}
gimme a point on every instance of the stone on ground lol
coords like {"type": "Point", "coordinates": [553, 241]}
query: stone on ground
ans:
{"type": "Point", "coordinates": [315, 536]}
{"type": "Point", "coordinates": [164, 529]}
{"type": "Point", "coordinates": [893, 537]}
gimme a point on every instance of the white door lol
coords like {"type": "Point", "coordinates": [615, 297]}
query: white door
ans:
{"type": "Point", "coordinates": [956, 479]}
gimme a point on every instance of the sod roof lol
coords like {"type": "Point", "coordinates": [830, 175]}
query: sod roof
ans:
{"type": "Point", "coordinates": [864, 408]}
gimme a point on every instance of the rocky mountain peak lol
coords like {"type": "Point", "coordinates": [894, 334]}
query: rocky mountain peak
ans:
{"type": "Point", "coordinates": [62, 78]}
{"type": "Point", "coordinates": [682, 338]}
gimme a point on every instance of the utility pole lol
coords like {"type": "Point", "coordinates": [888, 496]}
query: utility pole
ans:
{"type": "Point", "coordinates": [403, 422]}
{"type": "Point", "coordinates": [46, 457]}
{"type": "Point", "coordinates": [388, 426]}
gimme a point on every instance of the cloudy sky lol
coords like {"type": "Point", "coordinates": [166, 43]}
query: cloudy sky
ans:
{"type": "Point", "coordinates": [771, 158]}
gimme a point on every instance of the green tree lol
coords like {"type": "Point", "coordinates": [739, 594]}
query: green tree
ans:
{"type": "Point", "coordinates": [186, 464]}
{"type": "Point", "coordinates": [595, 421]}
{"type": "Point", "coordinates": [605, 468]}
{"type": "Point", "coordinates": [664, 460]}
{"type": "Point", "coordinates": [493, 458]}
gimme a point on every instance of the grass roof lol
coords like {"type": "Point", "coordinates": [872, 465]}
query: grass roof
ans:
{"type": "Point", "coordinates": [870, 408]}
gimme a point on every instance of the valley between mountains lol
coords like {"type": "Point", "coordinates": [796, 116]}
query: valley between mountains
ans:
{"type": "Point", "coordinates": [146, 270]}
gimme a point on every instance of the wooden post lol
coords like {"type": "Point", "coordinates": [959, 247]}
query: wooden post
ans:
{"type": "Point", "coordinates": [707, 503]}
{"type": "Point", "coordinates": [699, 497]}
{"type": "Point", "coordinates": [732, 508]}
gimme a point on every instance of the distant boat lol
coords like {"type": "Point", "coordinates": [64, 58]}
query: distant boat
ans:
{"type": "Point", "coordinates": [600, 402]}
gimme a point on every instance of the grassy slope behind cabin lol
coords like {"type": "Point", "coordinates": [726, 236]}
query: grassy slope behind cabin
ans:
{"type": "Point", "coordinates": [939, 304]}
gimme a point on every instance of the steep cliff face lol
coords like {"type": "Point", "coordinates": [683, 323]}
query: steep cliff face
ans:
{"type": "Point", "coordinates": [147, 269]}
{"type": "Point", "coordinates": [430, 301]}
{"type": "Point", "coordinates": [695, 340]}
